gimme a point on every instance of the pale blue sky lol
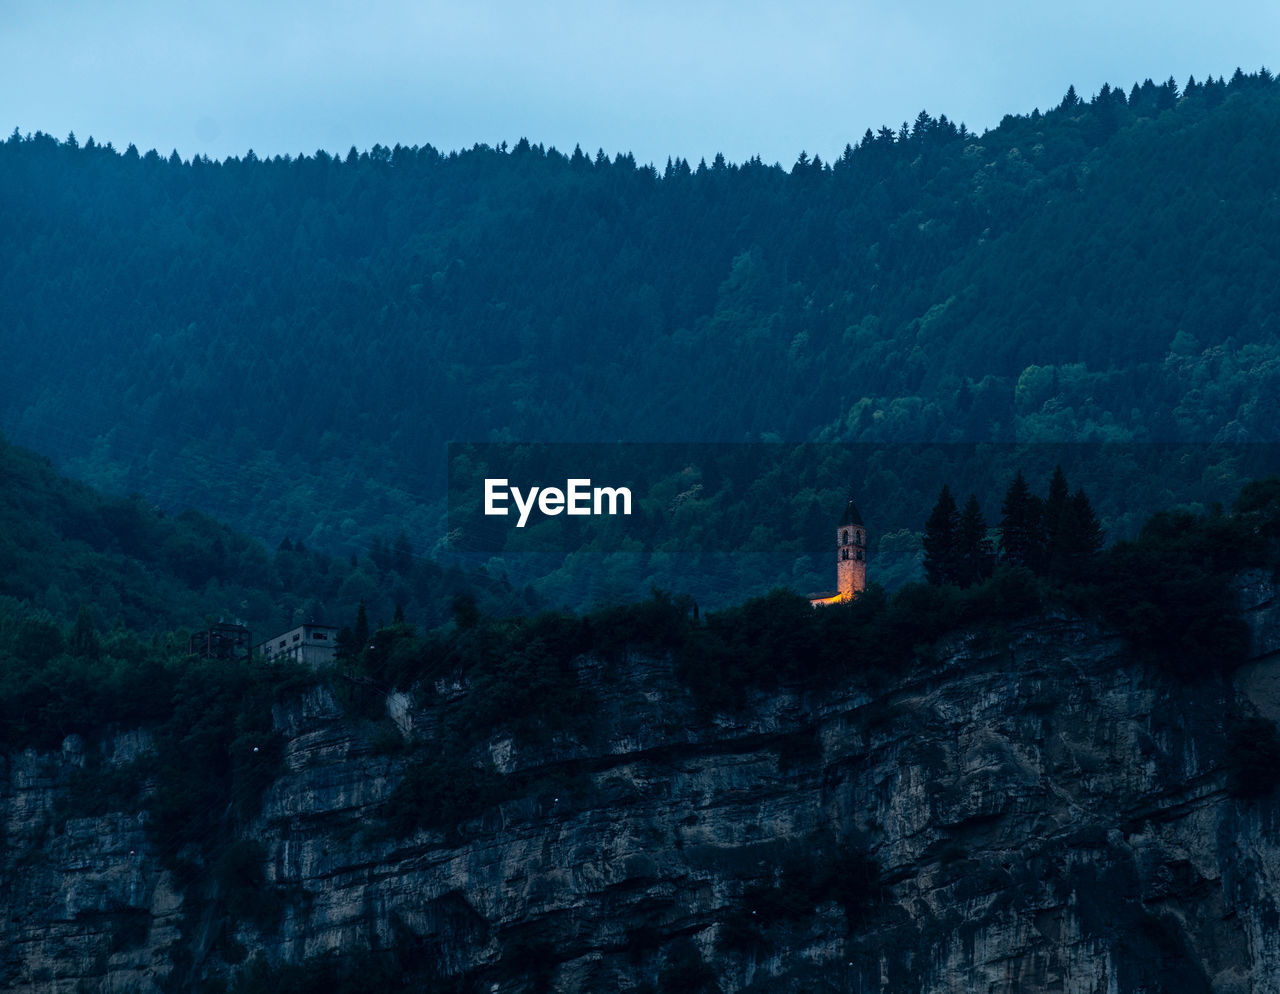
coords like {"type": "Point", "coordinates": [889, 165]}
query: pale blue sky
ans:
{"type": "Point", "coordinates": [656, 78]}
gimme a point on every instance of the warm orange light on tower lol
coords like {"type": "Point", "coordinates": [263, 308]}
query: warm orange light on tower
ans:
{"type": "Point", "coordinates": [851, 559]}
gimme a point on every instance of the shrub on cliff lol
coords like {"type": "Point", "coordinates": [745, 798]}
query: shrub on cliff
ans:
{"type": "Point", "coordinates": [440, 792]}
{"type": "Point", "coordinates": [1169, 591]}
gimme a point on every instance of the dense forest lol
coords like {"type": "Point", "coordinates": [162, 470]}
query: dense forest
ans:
{"type": "Point", "coordinates": [121, 568]}
{"type": "Point", "coordinates": [289, 344]}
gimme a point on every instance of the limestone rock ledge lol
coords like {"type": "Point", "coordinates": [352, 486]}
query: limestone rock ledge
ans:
{"type": "Point", "coordinates": [1046, 815]}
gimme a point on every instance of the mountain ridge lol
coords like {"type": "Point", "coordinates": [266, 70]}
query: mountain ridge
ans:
{"type": "Point", "coordinates": [295, 340]}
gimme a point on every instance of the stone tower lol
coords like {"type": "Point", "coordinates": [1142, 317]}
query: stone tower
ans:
{"type": "Point", "coordinates": [851, 553]}
{"type": "Point", "coordinates": [851, 559]}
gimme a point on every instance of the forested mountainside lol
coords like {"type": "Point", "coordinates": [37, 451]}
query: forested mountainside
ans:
{"type": "Point", "coordinates": [289, 343]}
{"type": "Point", "coordinates": [123, 568]}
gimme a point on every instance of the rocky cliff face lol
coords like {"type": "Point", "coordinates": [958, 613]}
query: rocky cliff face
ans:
{"type": "Point", "coordinates": [1044, 814]}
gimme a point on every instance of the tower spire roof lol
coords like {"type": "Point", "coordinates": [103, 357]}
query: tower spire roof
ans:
{"type": "Point", "coordinates": [850, 516]}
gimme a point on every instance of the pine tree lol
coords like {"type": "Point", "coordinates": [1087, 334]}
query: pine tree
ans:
{"type": "Point", "coordinates": [362, 628]}
{"type": "Point", "coordinates": [1080, 539]}
{"type": "Point", "coordinates": [941, 541]}
{"type": "Point", "coordinates": [1021, 542]}
{"type": "Point", "coordinates": [975, 554]}
{"type": "Point", "coordinates": [1055, 510]}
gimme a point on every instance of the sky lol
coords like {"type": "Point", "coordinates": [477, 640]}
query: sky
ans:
{"type": "Point", "coordinates": [655, 79]}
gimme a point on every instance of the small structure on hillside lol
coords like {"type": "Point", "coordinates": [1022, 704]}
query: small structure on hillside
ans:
{"type": "Point", "coordinates": [851, 559]}
{"type": "Point", "coordinates": [311, 644]}
{"type": "Point", "coordinates": [222, 641]}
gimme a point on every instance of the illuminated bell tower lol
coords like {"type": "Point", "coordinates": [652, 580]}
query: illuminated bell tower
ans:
{"type": "Point", "coordinates": [851, 553]}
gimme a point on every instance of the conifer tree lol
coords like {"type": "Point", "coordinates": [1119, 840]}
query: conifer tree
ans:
{"type": "Point", "coordinates": [975, 555]}
{"type": "Point", "coordinates": [362, 628]}
{"type": "Point", "coordinates": [1021, 542]}
{"type": "Point", "coordinates": [941, 540]}
{"type": "Point", "coordinates": [1056, 502]}
{"type": "Point", "coordinates": [1053, 521]}
{"type": "Point", "coordinates": [1080, 539]}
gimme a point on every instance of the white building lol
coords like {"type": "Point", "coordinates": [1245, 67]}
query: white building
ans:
{"type": "Point", "coordinates": [312, 644]}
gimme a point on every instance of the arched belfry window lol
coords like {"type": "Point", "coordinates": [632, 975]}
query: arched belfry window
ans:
{"type": "Point", "coordinates": [858, 536]}
{"type": "Point", "coordinates": [844, 539]}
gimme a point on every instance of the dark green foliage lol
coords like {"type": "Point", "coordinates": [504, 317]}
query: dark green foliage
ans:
{"type": "Point", "coordinates": [957, 549]}
{"type": "Point", "coordinates": [361, 630]}
{"type": "Point", "coordinates": [392, 655]}
{"type": "Point", "coordinates": [112, 563]}
{"type": "Point", "coordinates": [97, 789]}
{"type": "Point", "coordinates": [84, 640]}
{"type": "Point", "coordinates": [1261, 497]}
{"type": "Point", "coordinates": [976, 558]}
{"type": "Point", "coordinates": [48, 692]}
{"type": "Point", "coordinates": [752, 646]}
{"type": "Point", "coordinates": [216, 754]}
{"type": "Point", "coordinates": [1078, 540]}
{"type": "Point", "coordinates": [1253, 758]}
{"type": "Point", "coordinates": [523, 677]}
{"type": "Point", "coordinates": [465, 613]}
{"type": "Point", "coordinates": [522, 672]}
{"type": "Point", "coordinates": [1057, 537]}
{"type": "Point", "coordinates": [780, 638]}
{"type": "Point", "coordinates": [387, 739]}
{"type": "Point", "coordinates": [1071, 532]}
{"type": "Point", "coordinates": [1170, 591]}
{"type": "Point", "coordinates": [654, 626]}
{"type": "Point", "coordinates": [931, 283]}
{"type": "Point", "coordinates": [942, 556]}
{"type": "Point", "coordinates": [1012, 592]}
{"type": "Point", "coordinates": [1259, 505]}
{"type": "Point", "coordinates": [441, 792]}
{"type": "Point", "coordinates": [1021, 526]}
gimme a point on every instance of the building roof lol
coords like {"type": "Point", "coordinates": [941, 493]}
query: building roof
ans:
{"type": "Point", "coordinates": [851, 515]}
